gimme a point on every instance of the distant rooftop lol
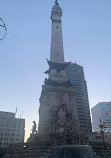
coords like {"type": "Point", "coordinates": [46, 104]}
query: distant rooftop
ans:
{"type": "Point", "coordinates": [102, 103]}
{"type": "Point", "coordinates": [7, 114]}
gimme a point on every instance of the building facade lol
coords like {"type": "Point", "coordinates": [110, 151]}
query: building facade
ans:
{"type": "Point", "coordinates": [75, 74]}
{"type": "Point", "coordinates": [11, 129]}
{"type": "Point", "coordinates": [101, 111]}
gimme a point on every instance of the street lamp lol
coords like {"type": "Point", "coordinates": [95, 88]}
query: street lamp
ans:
{"type": "Point", "coordinates": [102, 130]}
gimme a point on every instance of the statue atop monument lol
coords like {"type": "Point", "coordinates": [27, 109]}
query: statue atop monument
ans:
{"type": "Point", "coordinates": [56, 2]}
{"type": "Point", "coordinates": [34, 128]}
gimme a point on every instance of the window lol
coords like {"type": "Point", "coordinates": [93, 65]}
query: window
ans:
{"type": "Point", "coordinates": [18, 135]}
{"type": "Point", "coordinates": [17, 139]}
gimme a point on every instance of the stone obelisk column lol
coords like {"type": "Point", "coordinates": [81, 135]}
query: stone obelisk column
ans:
{"type": "Point", "coordinates": [57, 52]}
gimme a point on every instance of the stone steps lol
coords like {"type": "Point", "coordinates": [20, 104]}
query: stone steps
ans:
{"type": "Point", "coordinates": [44, 151]}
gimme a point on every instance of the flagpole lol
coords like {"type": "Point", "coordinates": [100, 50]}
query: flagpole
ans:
{"type": "Point", "coordinates": [16, 111]}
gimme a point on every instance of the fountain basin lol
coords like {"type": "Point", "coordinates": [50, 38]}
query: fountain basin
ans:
{"type": "Point", "coordinates": [73, 151]}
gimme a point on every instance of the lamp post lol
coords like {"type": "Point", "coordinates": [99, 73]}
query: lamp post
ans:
{"type": "Point", "coordinates": [3, 29]}
{"type": "Point", "coordinates": [102, 131]}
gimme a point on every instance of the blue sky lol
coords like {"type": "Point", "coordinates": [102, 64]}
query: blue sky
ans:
{"type": "Point", "coordinates": [87, 41]}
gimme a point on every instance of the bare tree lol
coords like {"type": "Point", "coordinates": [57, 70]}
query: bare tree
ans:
{"type": "Point", "coordinates": [3, 29]}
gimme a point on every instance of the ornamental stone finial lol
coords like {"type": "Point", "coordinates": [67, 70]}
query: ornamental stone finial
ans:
{"type": "Point", "coordinates": [56, 2]}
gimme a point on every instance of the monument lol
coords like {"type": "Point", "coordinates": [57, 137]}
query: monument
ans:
{"type": "Point", "coordinates": [58, 111]}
